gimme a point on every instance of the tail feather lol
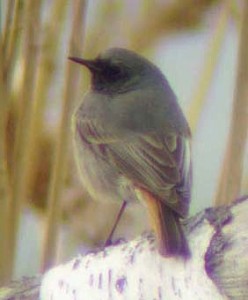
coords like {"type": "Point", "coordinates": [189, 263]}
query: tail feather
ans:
{"type": "Point", "coordinates": [172, 241]}
{"type": "Point", "coordinates": [166, 224]}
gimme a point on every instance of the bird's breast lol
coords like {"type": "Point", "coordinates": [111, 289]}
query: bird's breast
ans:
{"type": "Point", "coordinates": [99, 176]}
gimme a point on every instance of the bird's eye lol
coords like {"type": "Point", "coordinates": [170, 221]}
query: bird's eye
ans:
{"type": "Point", "coordinates": [113, 72]}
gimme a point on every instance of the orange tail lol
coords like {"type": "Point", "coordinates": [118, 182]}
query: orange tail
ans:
{"type": "Point", "coordinates": [165, 222]}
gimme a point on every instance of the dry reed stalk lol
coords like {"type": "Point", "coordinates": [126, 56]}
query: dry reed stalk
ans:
{"type": "Point", "coordinates": [211, 59]}
{"type": "Point", "coordinates": [12, 38]}
{"type": "Point", "coordinates": [232, 170]}
{"type": "Point", "coordinates": [9, 48]}
{"type": "Point", "coordinates": [50, 46]}
{"type": "Point", "coordinates": [5, 33]}
{"type": "Point", "coordinates": [61, 151]}
{"type": "Point", "coordinates": [4, 179]}
{"type": "Point", "coordinates": [4, 192]}
{"type": "Point", "coordinates": [32, 29]}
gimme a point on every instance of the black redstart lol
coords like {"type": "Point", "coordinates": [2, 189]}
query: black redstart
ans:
{"type": "Point", "coordinates": [133, 142]}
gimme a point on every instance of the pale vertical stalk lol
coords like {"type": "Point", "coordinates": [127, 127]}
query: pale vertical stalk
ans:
{"type": "Point", "coordinates": [211, 59]}
{"type": "Point", "coordinates": [9, 47]}
{"type": "Point", "coordinates": [4, 180]}
{"type": "Point", "coordinates": [7, 25]}
{"type": "Point", "coordinates": [50, 46]}
{"type": "Point", "coordinates": [4, 192]}
{"type": "Point", "coordinates": [61, 151]}
{"type": "Point", "coordinates": [231, 176]}
{"type": "Point", "coordinates": [32, 27]}
{"type": "Point", "coordinates": [13, 38]}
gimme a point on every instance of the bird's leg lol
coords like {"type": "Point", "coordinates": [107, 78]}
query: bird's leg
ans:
{"type": "Point", "coordinates": [121, 211]}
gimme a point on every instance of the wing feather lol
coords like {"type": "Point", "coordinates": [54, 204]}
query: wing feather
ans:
{"type": "Point", "coordinates": [154, 161]}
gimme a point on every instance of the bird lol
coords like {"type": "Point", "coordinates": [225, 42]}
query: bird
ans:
{"type": "Point", "coordinates": [133, 143]}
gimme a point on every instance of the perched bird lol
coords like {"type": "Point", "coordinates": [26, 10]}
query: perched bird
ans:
{"type": "Point", "coordinates": [133, 142]}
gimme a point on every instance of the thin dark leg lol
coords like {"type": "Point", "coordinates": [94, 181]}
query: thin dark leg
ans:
{"type": "Point", "coordinates": [121, 211]}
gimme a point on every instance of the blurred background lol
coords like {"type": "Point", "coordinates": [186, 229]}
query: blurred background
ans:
{"type": "Point", "coordinates": [46, 216]}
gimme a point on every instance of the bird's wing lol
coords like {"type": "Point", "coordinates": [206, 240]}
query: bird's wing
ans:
{"type": "Point", "coordinates": [157, 162]}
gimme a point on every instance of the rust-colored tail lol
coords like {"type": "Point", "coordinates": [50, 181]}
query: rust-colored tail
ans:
{"type": "Point", "coordinates": [165, 222]}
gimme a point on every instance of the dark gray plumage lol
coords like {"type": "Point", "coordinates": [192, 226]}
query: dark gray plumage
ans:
{"type": "Point", "coordinates": [133, 142]}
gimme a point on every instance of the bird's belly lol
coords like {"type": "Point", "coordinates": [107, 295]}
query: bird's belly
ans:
{"type": "Point", "coordinates": [101, 179]}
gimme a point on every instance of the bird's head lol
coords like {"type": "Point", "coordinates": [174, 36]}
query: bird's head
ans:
{"type": "Point", "coordinates": [120, 70]}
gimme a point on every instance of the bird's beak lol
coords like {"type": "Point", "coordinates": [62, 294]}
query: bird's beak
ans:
{"type": "Point", "coordinates": [92, 65]}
